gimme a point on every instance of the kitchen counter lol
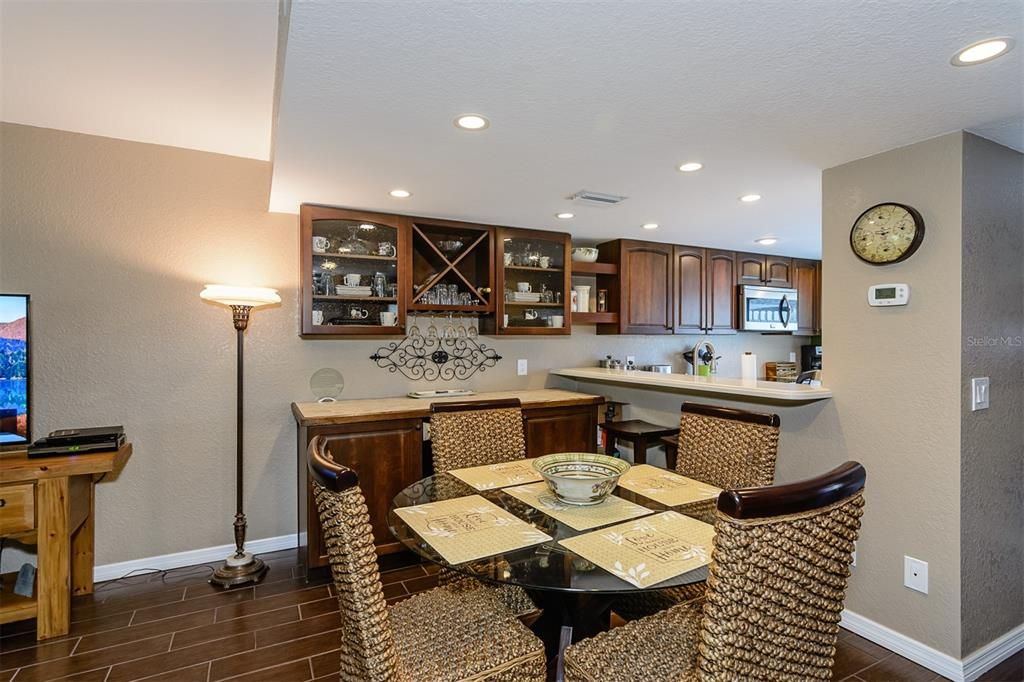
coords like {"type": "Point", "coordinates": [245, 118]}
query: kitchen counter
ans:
{"type": "Point", "coordinates": [382, 409]}
{"type": "Point", "coordinates": [765, 390]}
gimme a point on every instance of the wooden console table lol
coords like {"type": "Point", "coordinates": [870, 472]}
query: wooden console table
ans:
{"type": "Point", "coordinates": [51, 502]}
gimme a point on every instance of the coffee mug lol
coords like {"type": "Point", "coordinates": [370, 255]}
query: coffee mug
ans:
{"type": "Point", "coordinates": [556, 320]}
{"type": "Point", "coordinates": [545, 261]}
{"type": "Point", "coordinates": [318, 317]}
{"type": "Point", "coordinates": [530, 314]}
{"type": "Point", "coordinates": [523, 287]}
{"type": "Point", "coordinates": [358, 313]}
{"type": "Point", "coordinates": [386, 249]}
{"type": "Point", "coordinates": [352, 279]}
{"type": "Point", "coordinates": [388, 319]}
{"type": "Point", "coordinates": [320, 244]}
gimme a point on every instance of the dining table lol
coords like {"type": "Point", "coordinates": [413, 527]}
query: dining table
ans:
{"type": "Point", "coordinates": [571, 590]}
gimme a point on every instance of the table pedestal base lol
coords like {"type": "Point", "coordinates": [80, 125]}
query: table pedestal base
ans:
{"type": "Point", "coordinates": [587, 614]}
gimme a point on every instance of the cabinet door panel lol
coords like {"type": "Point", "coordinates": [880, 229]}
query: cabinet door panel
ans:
{"type": "Point", "coordinates": [648, 280]}
{"type": "Point", "coordinates": [750, 268]}
{"type": "Point", "coordinates": [778, 271]}
{"type": "Point", "coordinates": [690, 290]}
{"type": "Point", "coordinates": [721, 288]}
{"type": "Point", "coordinates": [806, 282]}
{"type": "Point", "coordinates": [560, 429]}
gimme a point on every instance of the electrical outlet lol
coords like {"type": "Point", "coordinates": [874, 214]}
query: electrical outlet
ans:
{"type": "Point", "coordinates": [521, 367]}
{"type": "Point", "coordinates": [979, 393]}
{"type": "Point", "coordinates": [915, 574]}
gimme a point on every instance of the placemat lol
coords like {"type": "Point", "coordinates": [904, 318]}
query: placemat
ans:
{"type": "Point", "coordinates": [611, 510]}
{"type": "Point", "coordinates": [467, 528]}
{"type": "Point", "coordinates": [501, 475]}
{"type": "Point", "coordinates": [647, 551]}
{"type": "Point", "coordinates": [666, 487]}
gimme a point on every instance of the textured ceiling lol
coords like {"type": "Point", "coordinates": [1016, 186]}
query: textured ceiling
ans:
{"type": "Point", "coordinates": [612, 96]}
{"type": "Point", "coordinates": [198, 75]}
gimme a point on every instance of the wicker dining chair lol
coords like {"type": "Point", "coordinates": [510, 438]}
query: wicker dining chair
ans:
{"type": "Point", "coordinates": [776, 586]}
{"type": "Point", "coordinates": [459, 632]}
{"type": "Point", "coordinates": [475, 433]}
{"type": "Point", "coordinates": [723, 446]}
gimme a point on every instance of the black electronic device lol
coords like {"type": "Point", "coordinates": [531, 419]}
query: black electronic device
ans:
{"type": "Point", "coordinates": [810, 357]}
{"type": "Point", "coordinates": [78, 441]}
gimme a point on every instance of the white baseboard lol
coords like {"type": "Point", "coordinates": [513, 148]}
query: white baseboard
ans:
{"type": "Point", "coordinates": [979, 661]}
{"type": "Point", "coordinates": [191, 557]}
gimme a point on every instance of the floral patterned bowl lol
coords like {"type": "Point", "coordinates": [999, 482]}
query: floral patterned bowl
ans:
{"type": "Point", "coordinates": [580, 478]}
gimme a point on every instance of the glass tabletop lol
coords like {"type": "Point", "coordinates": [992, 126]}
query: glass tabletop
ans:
{"type": "Point", "coordinates": [546, 566]}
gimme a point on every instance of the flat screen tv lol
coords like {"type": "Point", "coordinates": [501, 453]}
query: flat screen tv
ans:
{"type": "Point", "coordinates": [15, 363]}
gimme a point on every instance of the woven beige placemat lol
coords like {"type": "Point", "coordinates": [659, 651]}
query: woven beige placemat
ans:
{"type": "Point", "coordinates": [467, 528]}
{"type": "Point", "coordinates": [647, 551]}
{"type": "Point", "coordinates": [611, 510]}
{"type": "Point", "coordinates": [666, 487]}
{"type": "Point", "coordinates": [491, 476]}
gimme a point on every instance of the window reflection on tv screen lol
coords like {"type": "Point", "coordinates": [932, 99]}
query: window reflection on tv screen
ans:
{"type": "Point", "coordinates": [14, 369]}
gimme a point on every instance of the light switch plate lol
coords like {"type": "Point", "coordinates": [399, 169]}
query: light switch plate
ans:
{"type": "Point", "coordinates": [521, 367]}
{"type": "Point", "coordinates": [915, 574]}
{"type": "Point", "coordinates": [979, 393]}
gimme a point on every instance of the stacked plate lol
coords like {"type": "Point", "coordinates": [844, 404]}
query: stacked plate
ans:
{"type": "Point", "coordinates": [352, 292]}
{"type": "Point", "coordinates": [526, 297]}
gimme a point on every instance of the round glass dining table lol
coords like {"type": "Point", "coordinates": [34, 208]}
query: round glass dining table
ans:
{"type": "Point", "coordinates": [572, 591]}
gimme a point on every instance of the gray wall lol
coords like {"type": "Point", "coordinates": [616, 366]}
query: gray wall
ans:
{"type": "Point", "coordinates": [114, 240]}
{"type": "Point", "coordinates": [992, 440]}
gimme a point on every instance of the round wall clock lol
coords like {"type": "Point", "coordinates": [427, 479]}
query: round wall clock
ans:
{"type": "Point", "coordinates": [887, 233]}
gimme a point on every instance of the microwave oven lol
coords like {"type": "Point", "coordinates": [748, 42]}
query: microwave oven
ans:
{"type": "Point", "coordinates": [767, 309]}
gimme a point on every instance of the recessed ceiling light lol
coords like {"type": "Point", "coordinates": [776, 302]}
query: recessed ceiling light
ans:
{"type": "Point", "coordinates": [691, 166]}
{"type": "Point", "coordinates": [400, 193]}
{"type": "Point", "coordinates": [472, 122]}
{"type": "Point", "coordinates": [766, 241]}
{"type": "Point", "coordinates": [650, 226]}
{"type": "Point", "coordinates": [982, 51]}
{"type": "Point", "coordinates": [565, 216]}
{"type": "Point", "coordinates": [750, 198]}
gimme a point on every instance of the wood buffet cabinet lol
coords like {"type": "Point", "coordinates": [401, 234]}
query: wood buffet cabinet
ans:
{"type": "Point", "coordinates": [382, 441]}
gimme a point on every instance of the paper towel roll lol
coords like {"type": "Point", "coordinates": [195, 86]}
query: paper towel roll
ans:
{"type": "Point", "coordinates": [748, 367]}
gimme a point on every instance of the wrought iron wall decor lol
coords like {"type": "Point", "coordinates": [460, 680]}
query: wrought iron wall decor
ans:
{"type": "Point", "coordinates": [453, 353]}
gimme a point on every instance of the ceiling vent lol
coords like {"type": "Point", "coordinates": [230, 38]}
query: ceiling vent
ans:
{"type": "Point", "coordinates": [588, 198]}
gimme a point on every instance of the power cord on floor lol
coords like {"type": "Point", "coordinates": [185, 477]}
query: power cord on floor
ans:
{"type": "Point", "coordinates": [174, 573]}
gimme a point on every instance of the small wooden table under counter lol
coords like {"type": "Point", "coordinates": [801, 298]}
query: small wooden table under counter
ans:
{"type": "Point", "coordinates": [50, 502]}
{"type": "Point", "coordinates": [382, 440]}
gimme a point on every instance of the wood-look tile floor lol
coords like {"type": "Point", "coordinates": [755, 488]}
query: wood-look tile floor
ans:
{"type": "Point", "coordinates": [177, 628]}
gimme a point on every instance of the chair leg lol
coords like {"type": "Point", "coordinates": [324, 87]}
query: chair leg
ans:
{"type": "Point", "coordinates": [609, 449]}
{"type": "Point", "coordinates": [640, 450]}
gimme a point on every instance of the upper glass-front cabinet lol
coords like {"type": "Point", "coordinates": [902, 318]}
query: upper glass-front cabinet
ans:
{"type": "Point", "coordinates": [534, 282]}
{"type": "Point", "coordinates": [352, 267]}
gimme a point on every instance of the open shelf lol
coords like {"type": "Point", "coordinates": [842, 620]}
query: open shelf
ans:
{"type": "Point", "coordinates": [326, 254]}
{"type": "Point", "coordinates": [14, 607]}
{"type": "Point", "coordinates": [579, 268]}
{"type": "Point", "coordinates": [595, 318]}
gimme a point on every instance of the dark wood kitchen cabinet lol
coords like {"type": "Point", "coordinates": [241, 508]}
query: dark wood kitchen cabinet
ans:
{"type": "Point", "coordinates": [721, 292]}
{"type": "Point", "coordinates": [761, 270]}
{"type": "Point", "coordinates": [644, 296]}
{"type": "Point", "coordinates": [807, 281]}
{"type": "Point", "coordinates": [705, 300]}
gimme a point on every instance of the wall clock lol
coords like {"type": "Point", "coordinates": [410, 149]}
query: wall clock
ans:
{"type": "Point", "coordinates": [887, 233]}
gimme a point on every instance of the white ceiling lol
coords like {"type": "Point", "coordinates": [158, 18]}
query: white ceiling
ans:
{"type": "Point", "coordinates": [187, 74]}
{"type": "Point", "coordinates": [612, 96]}
{"type": "Point", "coordinates": [606, 96]}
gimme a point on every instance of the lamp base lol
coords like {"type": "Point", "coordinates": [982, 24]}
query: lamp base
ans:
{"type": "Point", "coordinates": [240, 571]}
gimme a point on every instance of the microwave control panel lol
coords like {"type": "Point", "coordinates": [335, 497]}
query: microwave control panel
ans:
{"type": "Point", "coordinates": [883, 295]}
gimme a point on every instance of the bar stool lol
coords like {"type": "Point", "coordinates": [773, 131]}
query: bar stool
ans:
{"type": "Point", "coordinates": [638, 432]}
{"type": "Point", "coordinates": [671, 444]}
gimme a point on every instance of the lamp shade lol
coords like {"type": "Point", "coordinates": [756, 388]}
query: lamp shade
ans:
{"type": "Point", "coordinates": [253, 297]}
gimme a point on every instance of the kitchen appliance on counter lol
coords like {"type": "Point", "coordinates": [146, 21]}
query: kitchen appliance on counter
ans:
{"type": "Point", "coordinates": [609, 363]}
{"type": "Point", "coordinates": [660, 369]}
{"type": "Point", "coordinates": [702, 358]}
{"type": "Point", "coordinates": [769, 309]}
{"type": "Point", "coordinates": [810, 357]}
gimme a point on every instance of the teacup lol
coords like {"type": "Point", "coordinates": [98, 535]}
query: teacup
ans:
{"type": "Point", "coordinates": [523, 287]}
{"type": "Point", "coordinates": [530, 314]}
{"type": "Point", "coordinates": [358, 313]}
{"type": "Point", "coordinates": [386, 249]}
{"type": "Point", "coordinates": [320, 244]}
{"type": "Point", "coordinates": [388, 319]}
{"type": "Point", "coordinates": [353, 279]}
{"type": "Point", "coordinates": [556, 321]}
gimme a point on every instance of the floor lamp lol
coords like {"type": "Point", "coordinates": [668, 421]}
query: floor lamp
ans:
{"type": "Point", "coordinates": [241, 567]}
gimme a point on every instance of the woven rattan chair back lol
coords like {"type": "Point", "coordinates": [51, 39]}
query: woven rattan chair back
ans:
{"type": "Point", "coordinates": [467, 434]}
{"type": "Point", "coordinates": [367, 644]}
{"type": "Point", "coordinates": [727, 448]}
{"type": "Point", "coordinates": [778, 577]}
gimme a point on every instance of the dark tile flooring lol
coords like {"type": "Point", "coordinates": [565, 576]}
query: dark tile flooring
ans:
{"type": "Point", "coordinates": [177, 628]}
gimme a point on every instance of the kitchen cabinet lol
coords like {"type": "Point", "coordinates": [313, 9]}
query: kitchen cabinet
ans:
{"type": "Point", "coordinates": [452, 267]}
{"type": "Point", "coordinates": [560, 429]}
{"type": "Point", "coordinates": [533, 283]}
{"type": "Point", "coordinates": [644, 295]}
{"type": "Point", "coordinates": [761, 270]}
{"type": "Point", "coordinates": [721, 299]}
{"type": "Point", "coordinates": [807, 281]}
{"type": "Point", "coordinates": [690, 290]}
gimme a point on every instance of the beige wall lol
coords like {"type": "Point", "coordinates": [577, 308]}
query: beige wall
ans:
{"type": "Point", "coordinates": [992, 440]}
{"type": "Point", "coordinates": [115, 240]}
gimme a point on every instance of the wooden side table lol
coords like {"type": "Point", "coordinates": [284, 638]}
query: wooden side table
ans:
{"type": "Point", "coordinates": [51, 502]}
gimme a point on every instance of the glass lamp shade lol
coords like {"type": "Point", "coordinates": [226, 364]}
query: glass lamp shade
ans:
{"type": "Point", "coordinates": [254, 297]}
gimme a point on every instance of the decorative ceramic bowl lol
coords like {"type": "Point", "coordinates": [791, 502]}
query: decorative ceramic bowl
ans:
{"type": "Point", "coordinates": [584, 255]}
{"type": "Point", "coordinates": [580, 478]}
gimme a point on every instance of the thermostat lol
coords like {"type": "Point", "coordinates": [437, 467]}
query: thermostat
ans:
{"type": "Point", "coordinates": [888, 294]}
